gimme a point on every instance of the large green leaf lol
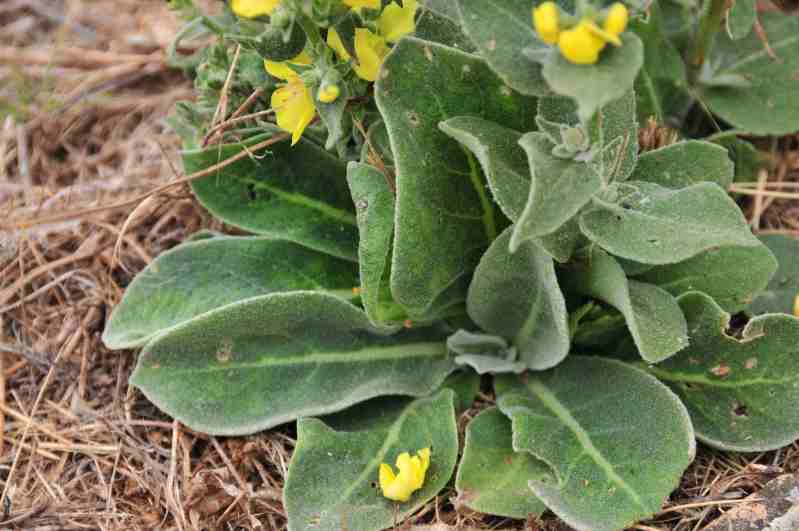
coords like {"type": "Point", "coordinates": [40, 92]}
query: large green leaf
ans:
{"type": "Point", "coordinates": [374, 202]}
{"type": "Point", "coordinates": [434, 26]}
{"type": "Point", "coordinates": [516, 296]}
{"type": "Point", "coordinates": [684, 164]}
{"type": "Point", "coordinates": [559, 189]}
{"type": "Point", "coordinates": [783, 289]}
{"type": "Point", "coordinates": [740, 18]}
{"type": "Point", "coordinates": [507, 171]}
{"type": "Point", "coordinates": [274, 358]}
{"type": "Point", "coordinates": [652, 315]}
{"type": "Point", "coordinates": [662, 80]}
{"type": "Point", "coordinates": [205, 275]}
{"type": "Point", "coordinates": [616, 439]}
{"type": "Point", "coordinates": [332, 482]}
{"type": "Point", "coordinates": [651, 224]}
{"type": "Point", "coordinates": [767, 104]}
{"type": "Point", "coordinates": [492, 477]}
{"type": "Point", "coordinates": [295, 193]}
{"type": "Point", "coordinates": [593, 86]}
{"type": "Point", "coordinates": [501, 30]}
{"type": "Point", "coordinates": [732, 276]}
{"type": "Point", "coordinates": [503, 160]}
{"type": "Point", "coordinates": [741, 391]}
{"type": "Point", "coordinates": [445, 216]}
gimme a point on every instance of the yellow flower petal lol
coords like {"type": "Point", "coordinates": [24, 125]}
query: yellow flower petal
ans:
{"type": "Point", "coordinates": [253, 8]}
{"type": "Point", "coordinates": [358, 4]}
{"type": "Point", "coordinates": [397, 21]}
{"type": "Point", "coordinates": [546, 20]}
{"type": "Point", "coordinates": [328, 93]}
{"type": "Point", "coordinates": [580, 45]}
{"type": "Point", "coordinates": [603, 35]}
{"type": "Point", "coordinates": [294, 108]}
{"type": "Point", "coordinates": [796, 306]}
{"type": "Point", "coordinates": [616, 20]}
{"type": "Point", "coordinates": [410, 478]}
{"type": "Point", "coordinates": [335, 42]}
{"type": "Point", "coordinates": [282, 70]}
{"type": "Point", "coordinates": [370, 50]}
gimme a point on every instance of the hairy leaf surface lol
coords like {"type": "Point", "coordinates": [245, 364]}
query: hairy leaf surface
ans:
{"type": "Point", "coordinates": [617, 440]}
{"type": "Point", "coordinates": [781, 292]}
{"type": "Point", "coordinates": [271, 359]}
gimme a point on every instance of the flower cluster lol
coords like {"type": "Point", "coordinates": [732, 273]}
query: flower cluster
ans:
{"type": "Point", "coordinates": [412, 470]}
{"type": "Point", "coordinates": [581, 42]}
{"type": "Point", "coordinates": [293, 103]}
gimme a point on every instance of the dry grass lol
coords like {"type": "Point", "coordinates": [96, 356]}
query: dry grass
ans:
{"type": "Point", "coordinates": [84, 89]}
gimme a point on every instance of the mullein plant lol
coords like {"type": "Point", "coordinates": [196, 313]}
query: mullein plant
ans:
{"type": "Point", "coordinates": [454, 198]}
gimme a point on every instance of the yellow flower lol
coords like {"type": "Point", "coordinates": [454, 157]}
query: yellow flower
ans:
{"type": "Point", "coordinates": [410, 478]}
{"type": "Point", "coordinates": [796, 306]}
{"type": "Point", "coordinates": [546, 19]}
{"type": "Point", "coordinates": [358, 4]}
{"type": "Point", "coordinates": [580, 45]}
{"type": "Point", "coordinates": [328, 93]}
{"type": "Point", "coordinates": [371, 48]}
{"type": "Point", "coordinates": [253, 8]}
{"type": "Point", "coordinates": [293, 104]}
{"type": "Point", "coordinates": [397, 21]}
{"type": "Point", "coordinates": [616, 20]}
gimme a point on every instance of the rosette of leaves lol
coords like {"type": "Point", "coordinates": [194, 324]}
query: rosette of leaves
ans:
{"type": "Point", "coordinates": [486, 231]}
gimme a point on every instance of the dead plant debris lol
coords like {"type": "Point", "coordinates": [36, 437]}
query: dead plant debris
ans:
{"type": "Point", "coordinates": [84, 90]}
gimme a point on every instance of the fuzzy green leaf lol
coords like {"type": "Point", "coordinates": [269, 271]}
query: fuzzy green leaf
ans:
{"type": "Point", "coordinates": [660, 85]}
{"type": "Point", "coordinates": [501, 30]}
{"type": "Point", "coordinates": [374, 202]}
{"type": "Point", "coordinates": [651, 224]}
{"type": "Point", "coordinates": [437, 27]}
{"type": "Point", "coordinates": [466, 385]}
{"type": "Point", "coordinates": [781, 292]}
{"type": "Point", "coordinates": [445, 216]}
{"type": "Point", "coordinates": [332, 482]}
{"type": "Point", "coordinates": [516, 296]}
{"type": "Point", "coordinates": [741, 393]}
{"type": "Point", "coordinates": [768, 104]}
{"type": "Point", "coordinates": [652, 315]}
{"type": "Point", "coordinates": [740, 18]}
{"type": "Point", "coordinates": [616, 439]}
{"type": "Point", "coordinates": [684, 164]}
{"type": "Point", "coordinates": [492, 477]}
{"type": "Point", "coordinates": [560, 188]}
{"type": "Point", "coordinates": [732, 276]}
{"type": "Point", "coordinates": [504, 162]}
{"type": "Point", "coordinates": [271, 359]}
{"type": "Point", "coordinates": [204, 275]}
{"type": "Point", "coordinates": [593, 86]}
{"type": "Point", "coordinates": [295, 193]}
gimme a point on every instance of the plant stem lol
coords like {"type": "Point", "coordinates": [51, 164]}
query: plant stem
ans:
{"type": "Point", "coordinates": [709, 25]}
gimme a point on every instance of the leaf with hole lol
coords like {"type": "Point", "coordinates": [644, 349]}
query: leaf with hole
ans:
{"type": "Point", "coordinates": [651, 224]}
{"type": "Point", "coordinates": [271, 359]}
{"type": "Point", "coordinates": [652, 315]}
{"type": "Point", "coordinates": [202, 276]}
{"type": "Point", "coordinates": [616, 439]}
{"type": "Point", "coordinates": [295, 193]}
{"type": "Point", "coordinates": [332, 482]}
{"type": "Point", "coordinates": [516, 296]}
{"type": "Point", "coordinates": [444, 217]}
{"type": "Point", "coordinates": [780, 294]}
{"type": "Point", "coordinates": [492, 477]}
{"type": "Point", "coordinates": [741, 390]}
